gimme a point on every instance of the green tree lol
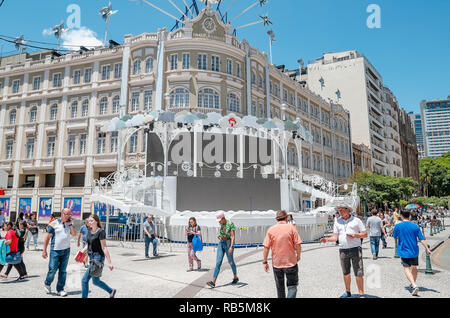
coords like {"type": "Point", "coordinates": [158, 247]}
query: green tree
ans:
{"type": "Point", "coordinates": [435, 176]}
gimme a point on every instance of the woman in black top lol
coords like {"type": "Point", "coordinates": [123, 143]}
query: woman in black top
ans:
{"type": "Point", "coordinates": [97, 250]}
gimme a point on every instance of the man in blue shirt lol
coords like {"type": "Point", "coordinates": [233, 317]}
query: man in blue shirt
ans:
{"type": "Point", "coordinates": [408, 235]}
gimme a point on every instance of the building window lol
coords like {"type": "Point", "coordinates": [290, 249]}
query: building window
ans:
{"type": "Point", "coordinates": [135, 102]}
{"type": "Point", "coordinates": [116, 104]}
{"type": "Point", "coordinates": [82, 144]}
{"type": "Point", "coordinates": [202, 62]}
{"type": "Point", "coordinates": [87, 75]}
{"type": "Point", "coordinates": [261, 111]}
{"type": "Point", "coordinates": [71, 146]}
{"type": "Point", "coordinates": [16, 85]}
{"type": "Point", "coordinates": [101, 143]}
{"type": "Point", "coordinates": [253, 109]}
{"type": "Point", "coordinates": [186, 61]}
{"type": "Point", "coordinates": [133, 143]}
{"type": "Point", "coordinates": [74, 110]}
{"type": "Point", "coordinates": [103, 109]}
{"type": "Point", "coordinates": [179, 98]}
{"type": "Point", "coordinates": [238, 70]}
{"type": "Point", "coordinates": [106, 70]}
{"type": "Point", "coordinates": [148, 100]}
{"type": "Point", "coordinates": [30, 148]}
{"type": "Point", "coordinates": [215, 64]}
{"type": "Point", "coordinates": [9, 149]}
{"type": "Point", "coordinates": [12, 117]}
{"type": "Point", "coordinates": [36, 83]}
{"type": "Point", "coordinates": [76, 77]}
{"type": "Point", "coordinates": [174, 62]}
{"type": "Point", "coordinates": [118, 70]}
{"type": "Point", "coordinates": [253, 78]}
{"type": "Point", "coordinates": [233, 103]}
{"type": "Point", "coordinates": [149, 65]}
{"type": "Point", "coordinates": [51, 146]}
{"type": "Point", "coordinates": [208, 98]}
{"type": "Point", "coordinates": [57, 80]}
{"type": "Point", "coordinates": [85, 108]}
{"type": "Point", "coordinates": [54, 112]}
{"type": "Point", "coordinates": [137, 67]}
{"type": "Point", "coordinates": [114, 141]}
{"type": "Point", "coordinates": [33, 114]}
{"type": "Point", "coordinates": [260, 81]}
{"type": "Point", "coordinates": [230, 67]}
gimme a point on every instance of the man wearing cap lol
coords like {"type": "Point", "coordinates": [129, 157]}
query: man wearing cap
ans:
{"type": "Point", "coordinates": [349, 230]}
{"type": "Point", "coordinates": [226, 246]}
{"type": "Point", "coordinates": [285, 242]}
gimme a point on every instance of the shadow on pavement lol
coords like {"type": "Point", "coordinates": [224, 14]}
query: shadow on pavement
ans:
{"type": "Point", "coordinates": [423, 289]}
{"type": "Point", "coordinates": [435, 271]}
{"type": "Point", "coordinates": [152, 258]}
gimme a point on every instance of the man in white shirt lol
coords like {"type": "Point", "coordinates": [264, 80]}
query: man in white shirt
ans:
{"type": "Point", "coordinates": [349, 230]}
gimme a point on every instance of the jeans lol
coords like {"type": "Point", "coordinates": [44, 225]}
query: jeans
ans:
{"type": "Point", "coordinates": [292, 281]}
{"type": "Point", "coordinates": [35, 240]}
{"type": "Point", "coordinates": [384, 241]}
{"type": "Point", "coordinates": [96, 280]}
{"type": "Point", "coordinates": [58, 262]}
{"type": "Point", "coordinates": [375, 244]}
{"type": "Point", "coordinates": [154, 242]}
{"type": "Point", "coordinates": [223, 249]}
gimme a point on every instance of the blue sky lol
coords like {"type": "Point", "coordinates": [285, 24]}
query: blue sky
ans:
{"type": "Point", "coordinates": [411, 50]}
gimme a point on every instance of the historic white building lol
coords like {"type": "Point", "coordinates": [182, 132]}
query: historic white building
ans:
{"type": "Point", "coordinates": [51, 109]}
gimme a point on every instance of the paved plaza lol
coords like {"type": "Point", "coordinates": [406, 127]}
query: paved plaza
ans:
{"type": "Point", "coordinates": [319, 273]}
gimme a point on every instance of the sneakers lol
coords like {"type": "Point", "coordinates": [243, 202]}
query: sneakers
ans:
{"type": "Point", "coordinates": [48, 289]}
{"type": "Point", "coordinates": [374, 257]}
{"type": "Point", "coordinates": [62, 293]}
{"type": "Point", "coordinates": [415, 291]}
{"type": "Point", "coordinates": [235, 281]}
{"type": "Point", "coordinates": [211, 284]}
{"type": "Point", "coordinates": [113, 293]}
{"type": "Point", "coordinates": [347, 295]}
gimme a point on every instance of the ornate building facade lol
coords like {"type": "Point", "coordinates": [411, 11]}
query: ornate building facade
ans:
{"type": "Point", "coordinates": [51, 109]}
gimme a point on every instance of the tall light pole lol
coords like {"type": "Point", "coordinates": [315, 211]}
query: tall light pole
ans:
{"type": "Point", "coordinates": [106, 12]}
{"type": "Point", "coordinates": [271, 40]}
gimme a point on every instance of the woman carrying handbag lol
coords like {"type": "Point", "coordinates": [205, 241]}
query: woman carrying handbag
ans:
{"type": "Point", "coordinates": [97, 251]}
{"type": "Point", "coordinates": [193, 233]}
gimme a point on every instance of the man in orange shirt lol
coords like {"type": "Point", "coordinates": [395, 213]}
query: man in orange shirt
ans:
{"type": "Point", "coordinates": [285, 242]}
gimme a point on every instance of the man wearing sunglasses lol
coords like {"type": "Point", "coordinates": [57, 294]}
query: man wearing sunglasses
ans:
{"type": "Point", "coordinates": [59, 232]}
{"type": "Point", "coordinates": [350, 231]}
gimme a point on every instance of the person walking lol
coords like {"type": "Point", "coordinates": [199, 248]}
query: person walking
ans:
{"type": "Point", "coordinates": [408, 234]}
{"type": "Point", "coordinates": [384, 229]}
{"type": "Point", "coordinates": [59, 232]}
{"type": "Point", "coordinates": [33, 231]}
{"type": "Point", "coordinates": [150, 236]}
{"type": "Point", "coordinates": [285, 242]}
{"type": "Point", "coordinates": [227, 235]}
{"type": "Point", "coordinates": [349, 230]}
{"type": "Point", "coordinates": [82, 237]}
{"type": "Point", "coordinates": [390, 221]}
{"type": "Point", "coordinates": [2, 219]}
{"type": "Point", "coordinates": [97, 251]}
{"type": "Point", "coordinates": [374, 224]}
{"type": "Point", "coordinates": [12, 239]}
{"type": "Point", "coordinates": [192, 230]}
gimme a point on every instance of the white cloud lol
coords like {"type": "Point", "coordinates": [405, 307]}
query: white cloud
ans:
{"type": "Point", "coordinates": [74, 38]}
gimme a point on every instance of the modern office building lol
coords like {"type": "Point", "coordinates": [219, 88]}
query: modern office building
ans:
{"type": "Point", "coordinates": [436, 126]}
{"type": "Point", "coordinates": [351, 79]}
{"type": "Point", "coordinates": [52, 108]}
{"type": "Point", "coordinates": [416, 121]}
{"type": "Point", "coordinates": [409, 146]}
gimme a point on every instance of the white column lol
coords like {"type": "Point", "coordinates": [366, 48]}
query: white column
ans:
{"type": "Point", "coordinates": [5, 87]}
{"type": "Point", "coordinates": [59, 179]}
{"type": "Point", "coordinates": [248, 64]}
{"type": "Point", "coordinates": [162, 36]}
{"type": "Point", "coordinates": [3, 119]}
{"type": "Point", "coordinates": [125, 77]}
{"type": "Point", "coordinates": [19, 144]}
{"type": "Point", "coordinates": [92, 132]}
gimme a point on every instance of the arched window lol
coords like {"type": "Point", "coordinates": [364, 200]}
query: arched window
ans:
{"type": "Point", "coordinates": [54, 112]}
{"type": "Point", "coordinates": [233, 103]}
{"type": "Point", "coordinates": [137, 67]}
{"type": "Point", "coordinates": [85, 108]}
{"type": "Point", "coordinates": [74, 110]}
{"type": "Point", "coordinates": [33, 114]}
{"type": "Point", "coordinates": [12, 117]}
{"type": "Point", "coordinates": [116, 104]}
{"type": "Point", "coordinates": [208, 98]}
{"type": "Point", "coordinates": [103, 107]}
{"type": "Point", "coordinates": [149, 65]}
{"type": "Point", "coordinates": [179, 98]}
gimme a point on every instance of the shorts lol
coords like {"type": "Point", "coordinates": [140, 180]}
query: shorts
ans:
{"type": "Point", "coordinates": [408, 262]}
{"type": "Point", "coordinates": [352, 257]}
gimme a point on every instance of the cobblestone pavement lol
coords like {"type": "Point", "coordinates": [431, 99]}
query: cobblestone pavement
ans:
{"type": "Point", "coordinates": [319, 273]}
